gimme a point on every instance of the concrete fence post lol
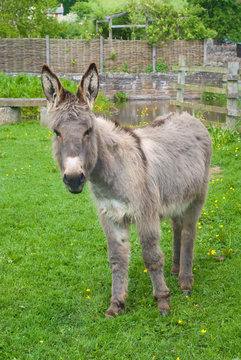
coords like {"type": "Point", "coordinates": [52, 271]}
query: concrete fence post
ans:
{"type": "Point", "coordinates": [154, 58]}
{"type": "Point", "coordinates": [47, 50]}
{"type": "Point", "coordinates": [181, 79]}
{"type": "Point", "coordinates": [101, 54]}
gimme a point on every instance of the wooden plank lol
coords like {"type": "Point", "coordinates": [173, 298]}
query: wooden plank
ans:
{"type": "Point", "coordinates": [18, 102]}
{"type": "Point", "coordinates": [127, 26]}
{"type": "Point", "coordinates": [219, 70]}
{"type": "Point", "coordinates": [217, 109]}
{"type": "Point", "coordinates": [199, 88]}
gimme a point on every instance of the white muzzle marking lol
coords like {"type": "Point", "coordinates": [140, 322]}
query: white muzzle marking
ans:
{"type": "Point", "coordinates": [72, 166]}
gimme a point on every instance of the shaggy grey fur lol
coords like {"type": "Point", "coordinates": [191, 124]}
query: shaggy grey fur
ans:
{"type": "Point", "coordinates": [136, 176]}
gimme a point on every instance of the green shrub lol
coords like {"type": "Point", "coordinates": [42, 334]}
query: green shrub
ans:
{"type": "Point", "coordinates": [120, 97]}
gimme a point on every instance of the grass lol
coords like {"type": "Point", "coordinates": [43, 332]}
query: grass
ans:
{"type": "Point", "coordinates": [53, 250]}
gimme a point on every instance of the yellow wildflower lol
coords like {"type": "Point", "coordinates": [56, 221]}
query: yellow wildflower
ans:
{"type": "Point", "coordinates": [88, 297]}
{"type": "Point", "coordinates": [213, 252]}
{"type": "Point", "coordinates": [179, 321]}
{"type": "Point", "coordinates": [145, 271]}
{"type": "Point", "coordinates": [203, 331]}
{"type": "Point", "coordinates": [88, 290]}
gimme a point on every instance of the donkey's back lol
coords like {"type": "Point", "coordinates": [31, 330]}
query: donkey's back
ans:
{"type": "Point", "coordinates": [178, 150]}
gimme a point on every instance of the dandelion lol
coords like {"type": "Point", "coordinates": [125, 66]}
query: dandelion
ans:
{"type": "Point", "coordinates": [41, 341]}
{"type": "Point", "coordinates": [15, 169]}
{"type": "Point", "coordinates": [213, 252]}
{"type": "Point", "coordinates": [204, 213]}
{"type": "Point", "coordinates": [221, 179]}
{"type": "Point", "coordinates": [199, 227]}
{"type": "Point", "coordinates": [217, 235]}
{"type": "Point", "coordinates": [153, 357]}
{"type": "Point", "coordinates": [212, 211]}
{"type": "Point", "coordinates": [211, 228]}
{"type": "Point", "coordinates": [145, 271]}
{"type": "Point", "coordinates": [221, 226]}
{"type": "Point", "coordinates": [224, 197]}
{"type": "Point", "coordinates": [88, 297]}
{"type": "Point", "coordinates": [88, 290]}
{"type": "Point", "coordinates": [208, 253]}
{"type": "Point", "coordinates": [6, 174]}
{"type": "Point", "coordinates": [230, 249]}
{"type": "Point", "coordinates": [203, 331]}
{"type": "Point", "coordinates": [178, 358]}
{"type": "Point", "coordinates": [71, 244]}
{"type": "Point", "coordinates": [29, 166]}
{"type": "Point", "coordinates": [217, 179]}
{"type": "Point", "coordinates": [216, 201]}
{"type": "Point", "coordinates": [179, 321]}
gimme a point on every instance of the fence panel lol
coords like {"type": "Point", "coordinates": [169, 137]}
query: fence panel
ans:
{"type": "Point", "coordinates": [22, 55]}
{"type": "Point", "coordinates": [73, 56]}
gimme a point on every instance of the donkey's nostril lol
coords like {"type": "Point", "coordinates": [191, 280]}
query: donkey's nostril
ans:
{"type": "Point", "coordinates": [74, 181]}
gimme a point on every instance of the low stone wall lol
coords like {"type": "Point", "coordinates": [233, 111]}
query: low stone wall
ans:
{"type": "Point", "coordinates": [150, 86]}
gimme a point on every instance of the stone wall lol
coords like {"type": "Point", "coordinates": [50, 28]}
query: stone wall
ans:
{"type": "Point", "coordinates": [150, 86]}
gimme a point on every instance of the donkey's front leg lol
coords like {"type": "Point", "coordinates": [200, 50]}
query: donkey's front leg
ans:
{"type": "Point", "coordinates": [149, 232]}
{"type": "Point", "coordinates": [118, 252]}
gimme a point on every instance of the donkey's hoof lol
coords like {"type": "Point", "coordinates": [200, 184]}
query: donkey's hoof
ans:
{"type": "Point", "coordinates": [115, 310]}
{"type": "Point", "coordinates": [186, 293]}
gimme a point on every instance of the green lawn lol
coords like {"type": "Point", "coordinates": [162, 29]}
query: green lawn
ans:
{"type": "Point", "coordinates": [53, 250]}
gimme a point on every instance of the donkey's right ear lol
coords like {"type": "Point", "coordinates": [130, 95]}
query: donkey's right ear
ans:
{"type": "Point", "coordinates": [52, 87]}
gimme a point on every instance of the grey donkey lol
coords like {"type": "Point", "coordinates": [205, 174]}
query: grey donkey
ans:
{"type": "Point", "coordinates": [136, 175]}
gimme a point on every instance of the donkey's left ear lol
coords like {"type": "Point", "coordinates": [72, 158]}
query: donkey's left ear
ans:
{"type": "Point", "coordinates": [89, 86]}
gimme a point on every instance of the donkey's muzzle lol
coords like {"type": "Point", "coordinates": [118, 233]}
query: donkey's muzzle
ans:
{"type": "Point", "coordinates": [74, 183]}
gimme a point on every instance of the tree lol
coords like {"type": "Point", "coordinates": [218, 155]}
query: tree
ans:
{"type": "Point", "coordinates": [27, 17]}
{"type": "Point", "coordinates": [168, 22]}
{"type": "Point", "coordinates": [67, 5]}
{"type": "Point", "coordinates": [223, 16]}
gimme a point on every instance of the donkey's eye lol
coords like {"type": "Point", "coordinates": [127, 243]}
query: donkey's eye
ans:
{"type": "Point", "coordinates": [57, 133]}
{"type": "Point", "coordinates": [87, 132]}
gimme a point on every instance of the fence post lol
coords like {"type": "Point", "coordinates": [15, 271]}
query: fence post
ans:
{"type": "Point", "coordinates": [154, 58]}
{"type": "Point", "coordinates": [181, 79]}
{"type": "Point", "coordinates": [47, 50]}
{"type": "Point", "coordinates": [205, 45]}
{"type": "Point", "coordinates": [232, 93]}
{"type": "Point", "coordinates": [101, 53]}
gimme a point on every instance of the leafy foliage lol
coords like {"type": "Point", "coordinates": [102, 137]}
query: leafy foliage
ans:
{"type": "Point", "coordinates": [26, 18]}
{"type": "Point", "coordinates": [168, 22]}
{"type": "Point", "coordinates": [223, 16]}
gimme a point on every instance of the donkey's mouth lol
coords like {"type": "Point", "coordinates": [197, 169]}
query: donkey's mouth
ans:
{"type": "Point", "coordinates": [76, 190]}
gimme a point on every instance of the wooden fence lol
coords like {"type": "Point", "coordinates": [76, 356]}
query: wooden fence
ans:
{"type": "Point", "coordinates": [232, 77]}
{"type": "Point", "coordinates": [73, 56]}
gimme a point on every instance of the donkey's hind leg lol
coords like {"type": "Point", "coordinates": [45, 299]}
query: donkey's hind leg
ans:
{"type": "Point", "coordinates": [177, 223]}
{"type": "Point", "coordinates": [118, 253]}
{"type": "Point", "coordinates": [149, 233]}
{"type": "Point", "coordinates": [190, 218]}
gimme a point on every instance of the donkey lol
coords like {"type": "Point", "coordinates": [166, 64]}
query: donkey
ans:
{"type": "Point", "coordinates": [136, 176]}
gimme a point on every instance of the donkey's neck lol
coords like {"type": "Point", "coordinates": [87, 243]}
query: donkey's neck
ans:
{"type": "Point", "coordinates": [114, 146]}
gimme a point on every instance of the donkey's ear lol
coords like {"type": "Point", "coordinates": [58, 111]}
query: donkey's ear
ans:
{"type": "Point", "coordinates": [52, 87]}
{"type": "Point", "coordinates": [89, 86]}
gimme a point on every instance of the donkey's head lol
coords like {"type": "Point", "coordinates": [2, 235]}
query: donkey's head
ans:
{"type": "Point", "coordinates": [71, 119]}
